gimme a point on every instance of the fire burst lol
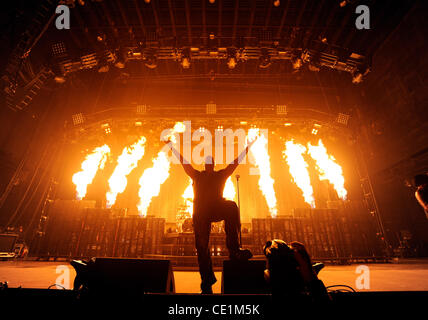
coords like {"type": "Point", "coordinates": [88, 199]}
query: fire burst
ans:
{"type": "Point", "coordinates": [126, 162]}
{"type": "Point", "coordinates": [229, 190]}
{"type": "Point", "coordinates": [179, 127]}
{"type": "Point", "coordinates": [154, 177]}
{"type": "Point", "coordinates": [229, 193]}
{"type": "Point", "coordinates": [93, 161]}
{"type": "Point", "coordinates": [328, 169]}
{"type": "Point", "coordinates": [293, 154]}
{"type": "Point", "coordinates": [261, 156]}
{"type": "Point", "coordinates": [151, 180]}
{"type": "Point", "coordinates": [188, 198]}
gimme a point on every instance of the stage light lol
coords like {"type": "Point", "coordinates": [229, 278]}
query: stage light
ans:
{"type": "Point", "coordinates": [212, 36]}
{"type": "Point", "coordinates": [211, 108]}
{"type": "Point", "coordinates": [343, 118]}
{"type": "Point", "coordinates": [107, 130]}
{"type": "Point", "coordinates": [141, 108]}
{"type": "Point", "coordinates": [185, 63]}
{"type": "Point", "coordinates": [297, 63]}
{"type": "Point", "coordinates": [101, 37]}
{"type": "Point", "coordinates": [220, 128]}
{"type": "Point", "coordinates": [212, 1]}
{"type": "Point", "coordinates": [78, 118]}
{"type": "Point", "coordinates": [59, 79]}
{"type": "Point", "coordinates": [147, 1]}
{"type": "Point", "coordinates": [244, 123]}
{"type": "Point", "coordinates": [314, 131]}
{"type": "Point", "coordinates": [138, 124]}
{"type": "Point", "coordinates": [231, 62]}
{"type": "Point", "coordinates": [357, 77]}
{"type": "Point", "coordinates": [201, 129]}
{"type": "Point", "coordinates": [287, 124]}
{"type": "Point", "coordinates": [276, 3]}
{"type": "Point", "coordinates": [281, 109]}
{"type": "Point", "coordinates": [343, 3]}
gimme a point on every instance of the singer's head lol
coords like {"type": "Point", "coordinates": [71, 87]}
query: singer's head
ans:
{"type": "Point", "coordinates": [209, 163]}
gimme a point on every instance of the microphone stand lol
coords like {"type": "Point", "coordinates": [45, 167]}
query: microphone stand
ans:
{"type": "Point", "coordinates": [239, 209]}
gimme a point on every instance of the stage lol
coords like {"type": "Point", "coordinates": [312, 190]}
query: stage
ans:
{"type": "Point", "coordinates": [399, 275]}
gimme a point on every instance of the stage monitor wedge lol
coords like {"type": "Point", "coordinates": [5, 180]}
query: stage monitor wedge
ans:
{"type": "Point", "coordinates": [126, 277]}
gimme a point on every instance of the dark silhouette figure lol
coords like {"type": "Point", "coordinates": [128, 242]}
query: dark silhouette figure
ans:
{"type": "Point", "coordinates": [291, 274]}
{"type": "Point", "coordinates": [421, 183]}
{"type": "Point", "coordinates": [210, 206]}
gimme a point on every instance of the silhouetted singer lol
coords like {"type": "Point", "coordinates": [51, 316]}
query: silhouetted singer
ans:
{"type": "Point", "coordinates": [210, 206]}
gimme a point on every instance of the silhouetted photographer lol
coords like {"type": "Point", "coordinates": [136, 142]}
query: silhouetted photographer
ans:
{"type": "Point", "coordinates": [291, 274]}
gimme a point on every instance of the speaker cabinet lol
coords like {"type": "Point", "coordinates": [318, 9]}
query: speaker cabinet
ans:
{"type": "Point", "coordinates": [128, 277]}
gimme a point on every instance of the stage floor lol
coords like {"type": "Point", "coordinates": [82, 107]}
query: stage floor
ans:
{"type": "Point", "coordinates": [401, 275]}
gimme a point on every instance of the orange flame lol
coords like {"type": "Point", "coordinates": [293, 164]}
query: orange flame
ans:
{"type": "Point", "coordinates": [151, 181]}
{"type": "Point", "coordinates": [328, 169]}
{"type": "Point", "coordinates": [126, 162]}
{"type": "Point", "coordinates": [228, 193]}
{"type": "Point", "coordinates": [229, 190]}
{"type": "Point", "coordinates": [293, 154]}
{"type": "Point", "coordinates": [188, 197]}
{"type": "Point", "coordinates": [93, 161]}
{"type": "Point", "coordinates": [261, 156]}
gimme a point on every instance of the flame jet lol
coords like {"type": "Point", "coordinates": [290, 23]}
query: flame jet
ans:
{"type": "Point", "coordinates": [262, 161]}
{"type": "Point", "coordinates": [328, 169]}
{"type": "Point", "coordinates": [229, 193]}
{"type": "Point", "coordinates": [293, 155]}
{"type": "Point", "coordinates": [151, 181]}
{"type": "Point", "coordinates": [126, 162]}
{"type": "Point", "coordinates": [93, 161]}
{"type": "Point", "coordinates": [153, 177]}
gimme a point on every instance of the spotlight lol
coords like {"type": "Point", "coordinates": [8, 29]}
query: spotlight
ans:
{"type": "Point", "coordinates": [211, 108]}
{"type": "Point", "coordinates": [357, 77]}
{"type": "Point", "coordinates": [297, 63]}
{"type": "Point", "coordinates": [281, 109]}
{"type": "Point", "coordinates": [287, 124]}
{"type": "Point", "coordinates": [101, 37]}
{"type": "Point", "coordinates": [314, 131]}
{"type": "Point", "coordinates": [59, 79]}
{"type": "Point", "coordinates": [276, 3]}
{"type": "Point", "coordinates": [185, 59]}
{"type": "Point", "coordinates": [147, 1]}
{"type": "Point", "coordinates": [212, 1]}
{"type": "Point", "coordinates": [231, 62]}
{"type": "Point", "coordinates": [244, 123]}
{"type": "Point", "coordinates": [185, 63]}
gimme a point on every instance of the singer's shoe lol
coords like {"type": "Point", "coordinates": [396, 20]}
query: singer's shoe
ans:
{"type": "Point", "coordinates": [241, 255]}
